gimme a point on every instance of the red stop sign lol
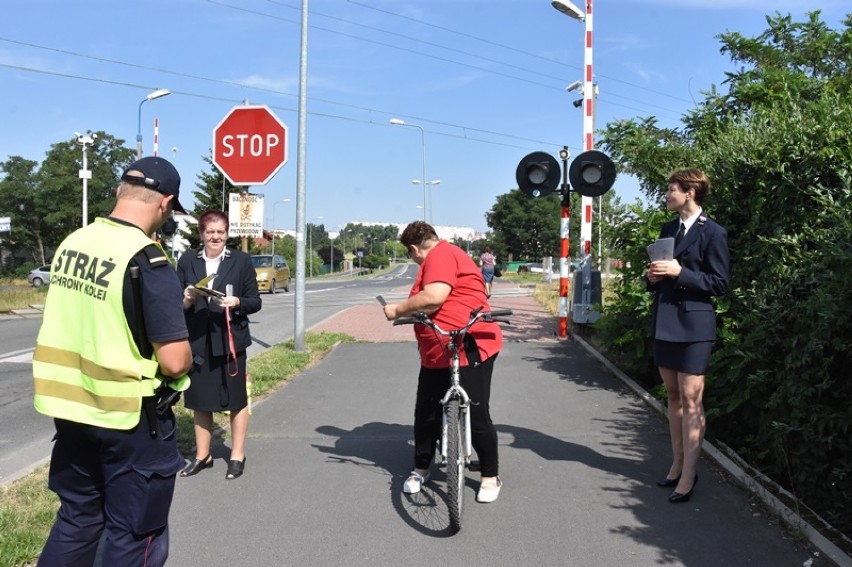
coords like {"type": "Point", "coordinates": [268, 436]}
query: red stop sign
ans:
{"type": "Point", "coordinates": [250, 145]}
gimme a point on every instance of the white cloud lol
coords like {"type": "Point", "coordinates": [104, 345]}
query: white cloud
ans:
{"type": "Point", "coordinates": [647, 76]}
{"type": "Point", "coordinates": [287, 84]}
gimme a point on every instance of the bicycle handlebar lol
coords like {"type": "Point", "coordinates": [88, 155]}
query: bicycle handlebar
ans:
{"type": "Point", "coordinates": [496, 316]}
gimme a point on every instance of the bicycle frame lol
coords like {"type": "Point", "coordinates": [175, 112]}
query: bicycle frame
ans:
{"type": "Point", "coordinates": [456, 391]}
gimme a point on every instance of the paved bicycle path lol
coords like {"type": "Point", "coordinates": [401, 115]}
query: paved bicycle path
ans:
{"type": "Point", "coordinates": [579, 452]}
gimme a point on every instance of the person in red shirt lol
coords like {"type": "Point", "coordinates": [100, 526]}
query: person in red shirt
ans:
{"type": "Point", "coordinates": [448, 287]}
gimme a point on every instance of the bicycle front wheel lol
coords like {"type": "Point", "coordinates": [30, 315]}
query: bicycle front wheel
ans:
{"type": "Point", "coordinates": [455, 462]}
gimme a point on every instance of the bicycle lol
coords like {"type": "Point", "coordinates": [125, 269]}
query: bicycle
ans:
{"type": "Point", "coordinates": [455, 443]}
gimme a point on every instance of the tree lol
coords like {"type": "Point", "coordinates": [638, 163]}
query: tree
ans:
{"type": "Point", "coordinates": [17, 201]}
{"type": "Point", "coordinates": [526, 228]}
{"type": "Point", "coordinates": [212, 190]}
{"type": "Point", "coordinates": [778, 151]}
{"type": "Point", "coordinates": [46, 203]}
{"type": "Point", "coordinates": [331, 256]}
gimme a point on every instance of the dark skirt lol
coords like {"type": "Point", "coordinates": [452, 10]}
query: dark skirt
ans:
{"type": "Point", "coordinates": [692, 358]}
{"type": "Point", "coordinates": [212, 388]}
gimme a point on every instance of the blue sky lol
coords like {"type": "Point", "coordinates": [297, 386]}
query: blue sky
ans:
{"type": "Point", "coordinates": [485, 80]}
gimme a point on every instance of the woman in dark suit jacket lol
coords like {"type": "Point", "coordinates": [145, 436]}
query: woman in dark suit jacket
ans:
{"type": "Point", "coordinates": [218, 345]}
{"type": "Point", "coordinates": [684, 319]}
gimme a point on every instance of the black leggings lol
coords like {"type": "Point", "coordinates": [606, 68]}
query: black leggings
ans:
{"type": "Point", "coordinates": [432, 384]}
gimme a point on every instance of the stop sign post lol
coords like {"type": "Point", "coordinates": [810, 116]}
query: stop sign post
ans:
{"type": "Point", "coordinates": [250, 145]}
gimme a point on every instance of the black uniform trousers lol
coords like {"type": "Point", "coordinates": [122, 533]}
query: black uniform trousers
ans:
{"type": "Point", "coordinates": [113, 481]}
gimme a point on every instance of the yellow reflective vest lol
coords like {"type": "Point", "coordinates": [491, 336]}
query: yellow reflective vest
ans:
{"type": "Point", "coordinates": [86, 366]}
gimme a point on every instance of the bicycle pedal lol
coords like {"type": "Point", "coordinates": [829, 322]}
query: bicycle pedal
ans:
{"type": "Point", "coordinates": [473, 466]}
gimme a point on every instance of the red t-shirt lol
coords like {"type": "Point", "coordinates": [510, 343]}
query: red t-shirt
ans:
{"type": "Point", "coordinates": [449, 264]}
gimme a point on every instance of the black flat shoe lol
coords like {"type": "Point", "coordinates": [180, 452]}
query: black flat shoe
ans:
{"type": "Point", "coordinates": [197, 465]}
{"type": "Point", "coordinates": [235, 469]}
{"type": "Point", "coordinates": [678, 498]}
{"type": "Point", "coordinates": [668, 482]}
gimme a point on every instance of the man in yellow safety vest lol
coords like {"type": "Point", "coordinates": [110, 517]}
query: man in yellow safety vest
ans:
{"type": "Point", "coordinates": [111, 358]}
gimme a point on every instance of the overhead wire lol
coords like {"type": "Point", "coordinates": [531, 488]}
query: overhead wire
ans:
{"type": "Point", "coordinates": [510, 48]}
{"type": "Point", "coordinates": [464, 129]}
{"type": "Point", "coordinates": [236, 101]}
{"type": "Point", "coordinates": [444, 59]}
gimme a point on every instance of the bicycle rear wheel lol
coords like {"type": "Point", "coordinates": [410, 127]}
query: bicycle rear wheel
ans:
{"type": "Point", "coordinates": [455, 462]}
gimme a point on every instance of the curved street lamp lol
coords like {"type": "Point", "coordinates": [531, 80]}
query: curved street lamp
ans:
{"type": "Point", "coordinates": [151, 96]}
{"type": "Point", "coordinates": [399, 122]}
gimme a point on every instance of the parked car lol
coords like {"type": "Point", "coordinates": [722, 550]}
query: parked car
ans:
{"type": "Point", "coordinates": [40, 276]}
{"type": "Point", "coordinates": [273, 273]}
{"type": "Point", "coordinates": [536, 268]}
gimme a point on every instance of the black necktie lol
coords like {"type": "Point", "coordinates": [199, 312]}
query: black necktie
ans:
{"type": "Point", "coordinates": [680, 234]}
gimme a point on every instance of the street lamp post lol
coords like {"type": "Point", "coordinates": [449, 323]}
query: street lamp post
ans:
{"type": "Point", "coordinates": [151, 96]}
{"type": "Point", "coordinates": [361, 240]}
{"type": "Point", "coordinates": [432, 182]}
{"type": "Point", "coordinates": [273, 224]}
{"type": "Point", "coordinates": [351, 264]}
{"type": "Point", "coordinates": [398, 122]}
{"type": "Point", "coordinates": [85, 174]}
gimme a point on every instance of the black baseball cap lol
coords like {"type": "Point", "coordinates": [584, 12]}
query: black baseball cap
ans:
{"type": "Point", "coordinates": [158, 175]}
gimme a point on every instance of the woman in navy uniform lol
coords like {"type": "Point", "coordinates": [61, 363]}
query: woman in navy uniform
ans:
{"type": "Point", "coordinates": [218, 345]}
{"type": "Point", "coordinates": [684, 319]}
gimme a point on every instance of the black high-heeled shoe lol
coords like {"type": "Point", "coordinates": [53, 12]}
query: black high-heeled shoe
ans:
{"type": "Point", "coordinates": [197, 465]}
{"type": "Point", "coordinates": [678, 498]}
{"type": "Point", "coordinates": [668, 482]}
{"type": "Point", "coordinates": [235, 469]}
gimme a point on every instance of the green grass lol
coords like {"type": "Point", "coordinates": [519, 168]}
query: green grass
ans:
{"type": "Point", "coordinates": [18, 294]}
{"type": "Point", "coordinates": [28, 508]}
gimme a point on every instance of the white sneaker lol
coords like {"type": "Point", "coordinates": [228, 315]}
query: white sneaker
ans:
{"type": "Point", "coordinates": [414, 481]}
{"type": "Point", "coordinates": [489, 494]}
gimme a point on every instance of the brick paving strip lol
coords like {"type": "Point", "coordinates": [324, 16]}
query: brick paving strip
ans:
{"type": "Point", "coordinates": [529, 322]}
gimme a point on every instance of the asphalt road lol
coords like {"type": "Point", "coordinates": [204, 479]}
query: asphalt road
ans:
{"type": "Point", "coordinates": [25, 435]}
{"type": "Point", "coordinates": [327, 455]}
{"type": "Point", "coordinates": [328, 452]}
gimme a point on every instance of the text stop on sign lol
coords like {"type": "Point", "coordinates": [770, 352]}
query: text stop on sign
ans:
{"type": "Point", "coordinates": [250, 145]}
{"type": "Point", "coordinates": [254, 145]}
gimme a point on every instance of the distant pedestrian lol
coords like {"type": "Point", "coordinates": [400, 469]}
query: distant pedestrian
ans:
{"type": "Point", "coordinates": [487, 261]}
{"type": "Point", "coordinates": [684, 320]}
{"type": "Point", "coordinates": [111, 354]}
{"type": "Point", "coordinates": [448, 287]}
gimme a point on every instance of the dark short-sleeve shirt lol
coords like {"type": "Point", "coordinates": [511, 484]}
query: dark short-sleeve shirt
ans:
{"type": "Point", "coordinates": [162, 300]}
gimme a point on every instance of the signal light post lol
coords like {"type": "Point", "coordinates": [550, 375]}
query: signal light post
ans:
{"type": "Point", "coordinates": [592, 174]}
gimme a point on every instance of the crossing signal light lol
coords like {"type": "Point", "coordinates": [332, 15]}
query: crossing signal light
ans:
{"type": "Point", "coordinates": [592, 173]}
{"type": "Point", "coordinates": [538, 174]}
